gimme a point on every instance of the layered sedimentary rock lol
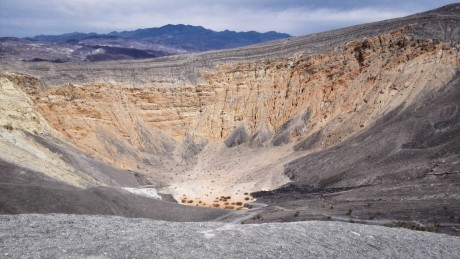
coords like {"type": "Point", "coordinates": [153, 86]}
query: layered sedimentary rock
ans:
{"type": "Point", "coordinates": [335, 94]}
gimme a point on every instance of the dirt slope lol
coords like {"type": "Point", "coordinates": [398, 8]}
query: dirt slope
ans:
{"type": "Point", "coordinates": [406, 164]}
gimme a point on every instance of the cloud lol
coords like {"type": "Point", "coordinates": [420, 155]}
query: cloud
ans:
{"type": "Point", "coordinates": [297, 17]}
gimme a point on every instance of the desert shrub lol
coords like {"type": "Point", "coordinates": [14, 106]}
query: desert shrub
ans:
{"type": "Point", "coordinates": [190, 201]}
{"type": "Point", "coordinates": [349, 212]}
{"type": "Point", "coordinates": [414, 226]}
{"type": "Point", "coordinates": [256, 217]}
{"type": "Point", "coordinates": [239, 203]}
{"type": "Point", "coordinates": [372, 215]}
{"type": "Point", "coordinates": [8, 127]}
{"type": "Point", "coordinates": [229, 207]}
{"type": "Point", "coordinates": [247, 199]}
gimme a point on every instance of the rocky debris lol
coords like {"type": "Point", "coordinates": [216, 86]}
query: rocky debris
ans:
{"type": "Point", "coordinates": [145, 191]}
{"type": "Point", "coordinates": [71, 236]}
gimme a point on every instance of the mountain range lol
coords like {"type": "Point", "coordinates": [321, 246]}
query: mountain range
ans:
{"type": "Point", "coordinates": [142, 43]}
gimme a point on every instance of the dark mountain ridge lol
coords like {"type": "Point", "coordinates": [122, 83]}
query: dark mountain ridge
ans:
{"type": "Point", "coordinates": [192, 38]}
{"type": "Point", "coordinates": [138, 44]}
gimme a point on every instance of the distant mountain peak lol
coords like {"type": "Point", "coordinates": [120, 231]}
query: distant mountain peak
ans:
{"type": "Point", "coordinates": [183, 36]}
{"type": "Point", "coordinates": [169, 39]}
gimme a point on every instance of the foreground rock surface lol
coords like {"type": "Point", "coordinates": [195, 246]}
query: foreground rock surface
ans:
{"type": "Point", "coordinates": [71, 236]}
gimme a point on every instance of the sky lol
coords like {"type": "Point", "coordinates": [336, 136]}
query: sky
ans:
{"type": "Point", "coordinates": [22, 18]}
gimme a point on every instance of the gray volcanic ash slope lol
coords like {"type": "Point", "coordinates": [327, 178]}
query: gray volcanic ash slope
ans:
{"type": "Point", "coordinates": [406, 164]}
{"type": "Point", "coordinates": [359, 125]}
{"type": "Point", "coordinates": [72, 236]}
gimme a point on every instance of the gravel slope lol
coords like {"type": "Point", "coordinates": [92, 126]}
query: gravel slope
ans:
{"type": "Point", "coordinates": [72, 236]}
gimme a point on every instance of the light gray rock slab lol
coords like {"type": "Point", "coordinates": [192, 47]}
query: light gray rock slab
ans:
{"type": "Point", "coordinates": [76, 236]}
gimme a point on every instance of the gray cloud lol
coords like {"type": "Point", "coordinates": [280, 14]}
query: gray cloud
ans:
{"type": "Point", "coordinates": [31, 17]}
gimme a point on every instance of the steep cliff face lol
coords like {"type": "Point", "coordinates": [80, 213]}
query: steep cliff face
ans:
{"type": "Point", "coordinates": [336, 94]}
{"type": "Point", "coordinates": [29, 142]}
{"type": "Point", "coordinates": [104, 122]}
{"type": "Point", "coordinates": [21, 118]}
